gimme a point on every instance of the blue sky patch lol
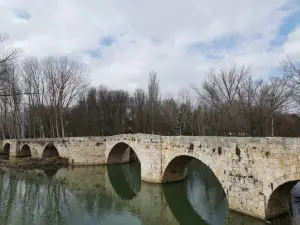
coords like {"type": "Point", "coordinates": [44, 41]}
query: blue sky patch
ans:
{"type": "Point", "coordinates": [107, 41]}
{"type": "Point", "coordinates": [225, 43]}
{"type": "Point", "coordinates": [289, 24]}
{"type": "Point", "coordinates": [22, 14]}
{"type": "Point", "coordinates": [213, 56]}
{"type": "Point", "coordinates": [96, 53]}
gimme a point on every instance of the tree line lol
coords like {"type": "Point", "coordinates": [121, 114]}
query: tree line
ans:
{"type": "Point", "coordinates": [51, 97]}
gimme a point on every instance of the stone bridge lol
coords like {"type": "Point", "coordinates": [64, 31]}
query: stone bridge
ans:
{"type": "Point", "coordinates": [257, 174]}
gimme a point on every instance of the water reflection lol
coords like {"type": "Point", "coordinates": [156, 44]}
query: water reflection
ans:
{"type": "Point", "coordinates": [206, 194]}
{"type": "Point", "coordinates": [179, 204]}
{"type": "Point", "coordinates": [199, 199]}
{"type": "Point", "coordinates": [125, 179]}
{"type": "Point", "coordinates": [28, 201]}
{"type": "Point", "coordinates": [4, 156]}
{"type": "Point", "coordinates": [296, 203]}
{"type": "Point", "coordinates": [50, 172]}
{"type": "Point", "coordinates": [114, 195]}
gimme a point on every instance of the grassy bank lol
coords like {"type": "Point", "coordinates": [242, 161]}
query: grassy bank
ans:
{"type": "Point", "coordinates": [35, 163]}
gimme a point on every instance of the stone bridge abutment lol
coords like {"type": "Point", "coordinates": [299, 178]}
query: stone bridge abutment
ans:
{"type": "Point", "coordinates": [257, 174]}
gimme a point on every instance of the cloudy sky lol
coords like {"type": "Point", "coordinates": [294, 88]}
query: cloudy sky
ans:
{"type": "Point", "coordinates": [122, 41]}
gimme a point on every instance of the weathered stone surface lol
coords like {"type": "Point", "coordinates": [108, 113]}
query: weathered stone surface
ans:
{"type": "Point", "coordinates": [255, 173]}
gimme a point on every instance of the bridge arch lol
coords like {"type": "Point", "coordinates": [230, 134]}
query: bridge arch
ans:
{"type": "Point", "coordinates": [25, 151]}
{"type": "Point", "coordinates": [121, 153]}
{"type": "Point", "coordinates": [176, 169]}
{"type": "Point", "coordinates": [50, 151]}
{"type": "Point", "coordinates": [279, 201]}
{"type": "Point", "coordinates": [200, 184]}
{"type": "Point", "coordinates": [124, 171]}
{"type": "Point", "coordinates": [6, 148]}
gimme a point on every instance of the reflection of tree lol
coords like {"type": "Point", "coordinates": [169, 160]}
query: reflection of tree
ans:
{"type": "Point", "coordinates": [11, 193]}
{"type": "Point", "coordinates": [205, 193]}
{"type": "Point", "coordinates": [25, 201]}
{"type": "Point", "coordinates": [132, 174]}
{"type": "Point", "coordinates": [36, 200]}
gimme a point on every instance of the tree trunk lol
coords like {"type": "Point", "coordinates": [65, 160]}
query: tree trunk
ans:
{"type": "Point", "coordinates": [56, 123]}
{"type": "Point", "coordinates": [62, 123]}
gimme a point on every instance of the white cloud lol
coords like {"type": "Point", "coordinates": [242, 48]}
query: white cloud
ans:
{"type": "Point", "coordinates": [292, 46]}
{"type": "Point", "coordinates": [156, 35]}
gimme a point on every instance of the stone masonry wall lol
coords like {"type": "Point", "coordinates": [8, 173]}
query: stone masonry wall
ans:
{"type": "Point", "coordinates": [79, 150]}
{"type": "Point", "coordinates": [249, 169]}
{"type": "Point", "coordinates": [148, 150]}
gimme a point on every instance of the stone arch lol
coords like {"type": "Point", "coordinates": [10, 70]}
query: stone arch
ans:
{"type": "Point", "coordinates": [50, 151]}
{"type": "Point", "coordinates": [279, 201]}
{"type": "Point", "coordinates": [25, 151]}
{"type": "Point", "coordinates": [6, 149]}
{"type": "Point", "coordinates": [176, 168]}
{"type": "Point", "coordinates": [121, 153]}
{"type": "Point", "coordinates": [125, 179]}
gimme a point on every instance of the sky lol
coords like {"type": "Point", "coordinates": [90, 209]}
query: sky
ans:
{"type": "Point", "coordinates": [122, 41]}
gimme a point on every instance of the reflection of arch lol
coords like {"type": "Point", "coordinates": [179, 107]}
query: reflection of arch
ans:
{"type": "Point", "coordinates": [121, 153]}
{"type": "Point", "coordinates": [280, 200]}
{"type": "Point", "coordinates": [50, 151]}
{"type": "Point", "coordinates": [50, 172]}
{"type": "Point", "coordinates": [6, 148]}
{"type": "Point", "coordinates": [25, 151]}
{"type": "Point", "coordinates": [125, 179]}
{"type": "Point", "coordinates": [200, 195]}
{"type": "Point", "coordinates": [175, 195]}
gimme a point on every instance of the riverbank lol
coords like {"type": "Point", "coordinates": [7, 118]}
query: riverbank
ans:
{"type": "Point", "coordinates": [35, 163]}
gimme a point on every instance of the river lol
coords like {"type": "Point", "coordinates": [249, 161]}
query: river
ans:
{"type": "Point", "coordinates": [114, 195]}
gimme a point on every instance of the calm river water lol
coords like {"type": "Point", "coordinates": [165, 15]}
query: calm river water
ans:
{"type": "Point", "coordinates": [113, 195]}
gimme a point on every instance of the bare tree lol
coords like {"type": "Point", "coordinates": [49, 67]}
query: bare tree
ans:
{"type": "Point", "coordinates": [257, 100]}
{"type": "Point", "coordinates": [140, 109]}
{"type": "Point", "coordinates": [7, 56]}
{"type": "Point", "coordinates": [65, 79]}
{"type": "Point", "coordinates": [153, 94]}
{"type": "Point", "coordinates": [291, 72]}
{"type": "Point", "coordinates": [169, 111]}
{"type": "Point", "coordinates": [185, 105]}
{"type": "Point", "coordinates": [50, 98]}
{"type": "Point", "coordinates": [33, 84]}
{"type": "Point", "coordinates": [220, 91]}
